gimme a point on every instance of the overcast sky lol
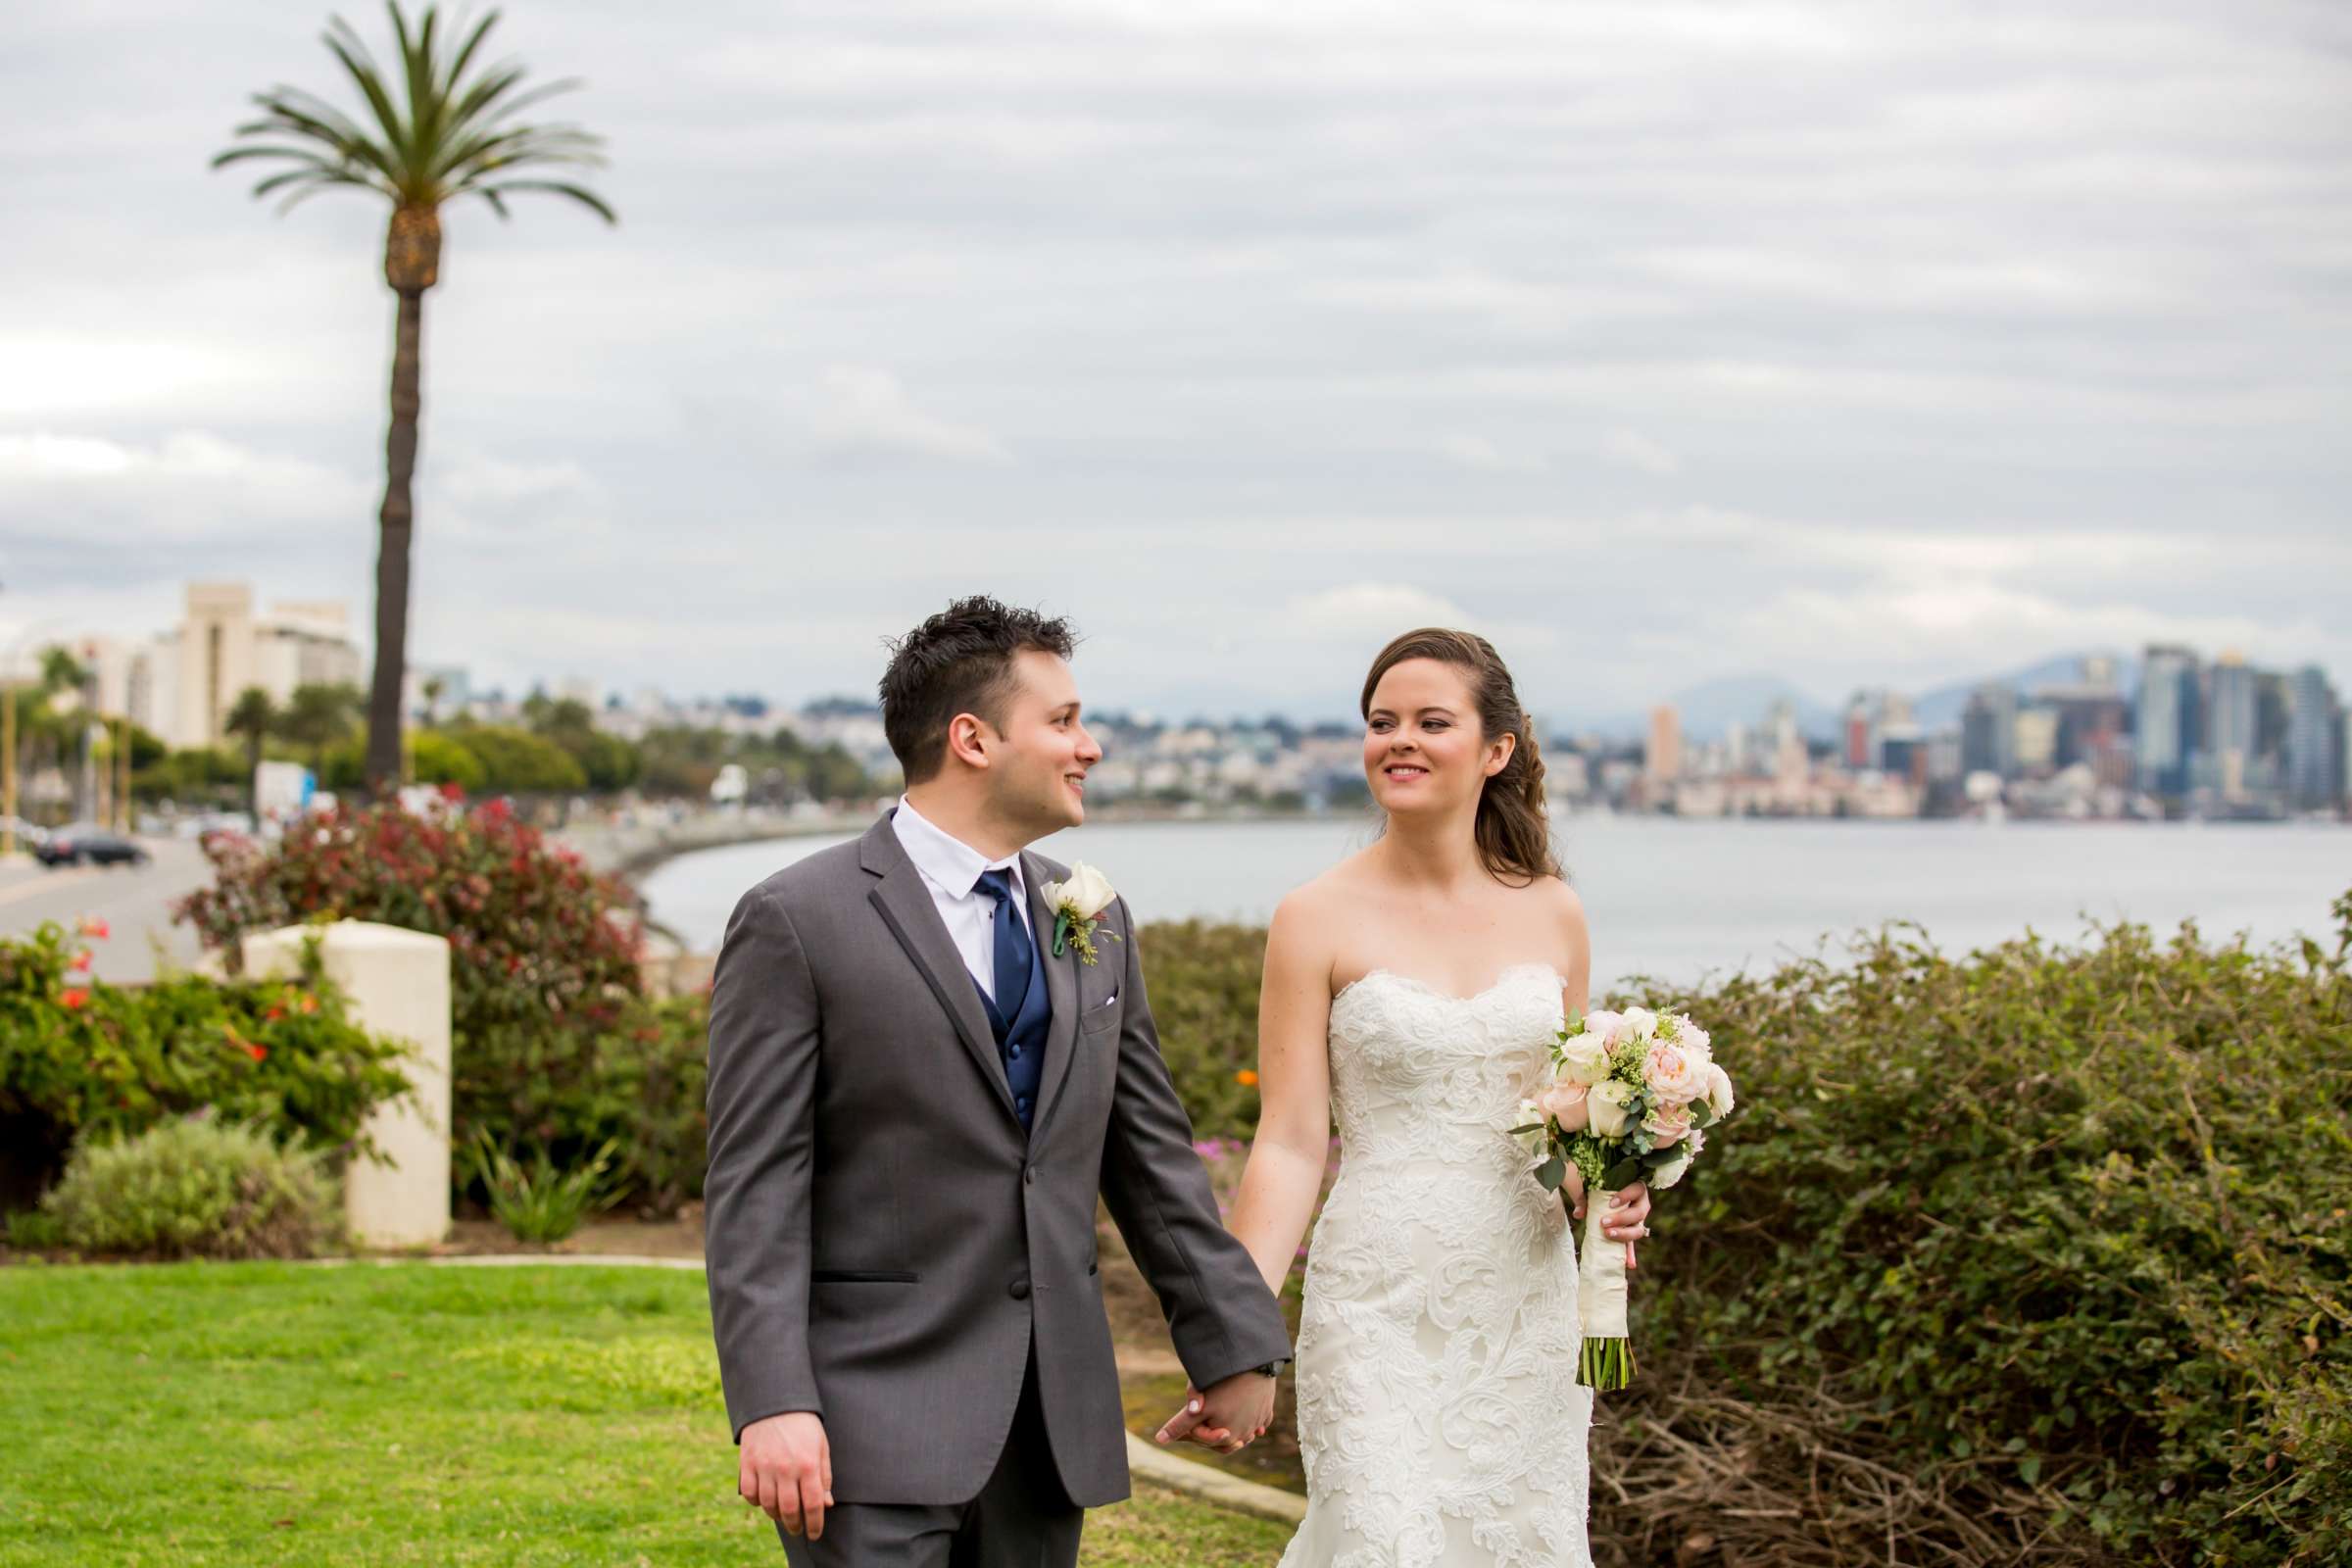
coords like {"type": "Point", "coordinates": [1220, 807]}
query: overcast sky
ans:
{"type": "Point", "coordinates": [1850, 343]}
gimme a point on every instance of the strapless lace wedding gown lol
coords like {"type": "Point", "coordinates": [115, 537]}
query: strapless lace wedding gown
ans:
{"type": "Point", "coordinates": [1439, 1411]}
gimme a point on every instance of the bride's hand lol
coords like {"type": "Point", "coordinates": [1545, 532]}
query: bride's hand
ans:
{"type": "Point", "coordinates": [1628, 1219]}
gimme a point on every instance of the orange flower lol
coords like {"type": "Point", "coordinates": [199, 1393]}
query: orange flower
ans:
{"type": "Point", "coordinates": [309, 1004]}
{"type": "Point", "coordinates": [82, 959]}
{"type": "Point", "coordinates": [256, 1053]}
{"type": "Point", "coordinates": [91, 926]}
{"type": "Point", "coordinates": [73, 998]}
{"type": "Point", "coordinates": [1245, 1078]}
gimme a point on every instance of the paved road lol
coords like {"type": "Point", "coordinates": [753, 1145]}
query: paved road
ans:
{"type": "Point", "coordinates": [134, 902]}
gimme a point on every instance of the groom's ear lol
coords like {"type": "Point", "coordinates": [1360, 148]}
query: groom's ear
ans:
{"type": "Point", "coordinates": [968, 734]}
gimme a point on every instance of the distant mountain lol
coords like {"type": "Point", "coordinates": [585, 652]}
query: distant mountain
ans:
{"type": "Point", "coordinates": [1943, 705]}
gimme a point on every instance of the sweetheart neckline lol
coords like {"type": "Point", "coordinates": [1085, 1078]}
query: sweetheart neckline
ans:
{"type": "Point", "coordinates": [1501, 980]}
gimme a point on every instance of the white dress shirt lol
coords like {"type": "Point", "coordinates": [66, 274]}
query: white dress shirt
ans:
{"type": "Point", "coordinates": [951, 868]}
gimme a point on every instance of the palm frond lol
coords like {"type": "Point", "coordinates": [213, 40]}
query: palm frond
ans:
{"type": "Point", "coordinates": [438, 122]}
{"type": "Point", "coordinates": [579, 193]}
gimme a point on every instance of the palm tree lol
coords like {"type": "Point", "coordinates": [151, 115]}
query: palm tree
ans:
{"type": "Point", "coordinates": [459, 136]}
{"type": "Point", "coordinates": [252, 717]}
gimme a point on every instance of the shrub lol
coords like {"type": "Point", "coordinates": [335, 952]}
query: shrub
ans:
{"type": "Point", "coordinates": [1202, 982]}
{"type": "Point", "coordinates": [192, 1188]}
{"type": "Point", "coordinates": [82, 1060]}
{"type": "Point", "coordinates": [2038, 1245]}
{"type": "Point", "coordinates": [542, 951]}
{"type": "Point", "coordinates": [30, 1230]}
{"type": "Point", "coordinates": [543, 1204]}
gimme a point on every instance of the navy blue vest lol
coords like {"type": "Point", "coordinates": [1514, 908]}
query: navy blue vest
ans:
{"type": "Point", "coordinates": [1021, 1041]}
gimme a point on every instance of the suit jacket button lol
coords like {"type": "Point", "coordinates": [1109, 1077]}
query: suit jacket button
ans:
{"type": "Point", "coordinates": [1021, 1290]}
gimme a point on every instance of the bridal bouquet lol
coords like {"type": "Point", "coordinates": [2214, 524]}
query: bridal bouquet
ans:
{"type": "Point", "coordinates": [1634, 1094]}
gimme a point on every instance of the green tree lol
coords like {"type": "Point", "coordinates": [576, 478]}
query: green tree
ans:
{"type": "Point", "coordinates": [251, 719]}
{"type": "Point", "coordinates": [317, 716]}
{"type": "Point", "coordinates": [520, 762]}
{"type": "Point", "coordinates": [458, 136]}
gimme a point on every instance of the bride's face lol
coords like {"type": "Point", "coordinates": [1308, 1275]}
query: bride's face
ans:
{"type": "Point", "coordinates": [1423, 749]}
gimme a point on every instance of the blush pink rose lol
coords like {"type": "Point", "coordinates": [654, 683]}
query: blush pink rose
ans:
{"type": "Point", "coordinates": [1564, 1103]}
{"type": "Point", "coordinates": [1667, 1126]}
{"type": "Point", "coordinates": [1675, 1075]}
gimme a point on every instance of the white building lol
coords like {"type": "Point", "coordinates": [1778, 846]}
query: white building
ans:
{"type": "Point", "coordinates": [182, 684]}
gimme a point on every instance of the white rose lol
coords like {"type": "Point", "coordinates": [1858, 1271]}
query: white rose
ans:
{"type": "Point", "coordinates": [1088, 892]}
{"type": "Point", "coordinates": [1641, 1022]}
{"type": "Point", "coordinates": [1718, 1091]}
{"type": "Point", "coordinates": [1584, 1060]}
{"type": "Point", "coordinates": [1537, 1137]}
{"type": "Point", "coordinates": [1606, 1106]}
{"type": "Point", "coordinates": [1668, 1174]}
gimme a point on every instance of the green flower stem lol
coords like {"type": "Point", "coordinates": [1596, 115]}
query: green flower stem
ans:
{"type": "Point", "coordinates": [1605, 1364]}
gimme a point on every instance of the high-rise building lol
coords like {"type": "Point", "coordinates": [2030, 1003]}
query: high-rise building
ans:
{"type": "Point", "coordinates": [2232, 722]}
{"type": "Point", "coordinates": [2167, 720]}
{"type": "Point", "coordinates": [2313, 731]}
{"type": "Point", "coordinates": [1988, 730]}
{"type": "Point", "coordinates": [2037, 740]}
{"type": "Point", "coordinates": [1662, 756]}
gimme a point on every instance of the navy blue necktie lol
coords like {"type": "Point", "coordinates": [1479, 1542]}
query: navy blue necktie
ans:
{"type": "Point", "coordinates": [1014, 956]}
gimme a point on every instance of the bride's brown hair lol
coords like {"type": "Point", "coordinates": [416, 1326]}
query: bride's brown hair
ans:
{"type": "Point", "coordinates": [1513, 838]}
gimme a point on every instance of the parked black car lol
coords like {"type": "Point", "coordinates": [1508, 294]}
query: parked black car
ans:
{"type": "Point", "coordinates": [71, 845]}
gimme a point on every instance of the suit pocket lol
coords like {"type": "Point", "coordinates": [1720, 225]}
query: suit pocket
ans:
{"type": "Point", "coordinates": [860, 1276]}
{"type": "Point", "coordinates": [1098, 1019]}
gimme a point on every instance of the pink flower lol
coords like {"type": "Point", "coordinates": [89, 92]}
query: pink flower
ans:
{"type": "Point", "coordinates": [1667, 1126]}
{"type": "Point", "coordinates": [1564, 1103]}
{"type": "Point", "coordinates": [1674, 1074]}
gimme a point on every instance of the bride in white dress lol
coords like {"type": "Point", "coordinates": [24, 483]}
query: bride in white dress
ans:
{"type": "Point", "coordinates": [1414, 990]}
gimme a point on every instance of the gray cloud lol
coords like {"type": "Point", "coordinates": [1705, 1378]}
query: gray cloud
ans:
{"type": "Point", "coordinates": [1851, 342]}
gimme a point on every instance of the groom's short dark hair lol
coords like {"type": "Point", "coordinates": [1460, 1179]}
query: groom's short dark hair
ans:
{"type": "Point", "coordinates": [958, 662]}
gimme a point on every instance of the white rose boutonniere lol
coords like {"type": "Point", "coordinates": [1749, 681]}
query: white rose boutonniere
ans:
{"type": "Point", "coordinates": [1077, 906]}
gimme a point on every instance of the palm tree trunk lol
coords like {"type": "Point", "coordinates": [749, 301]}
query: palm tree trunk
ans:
{"type": "Point", "coordinates": [394, 524]}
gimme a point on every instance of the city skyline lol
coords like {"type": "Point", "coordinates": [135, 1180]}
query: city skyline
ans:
{"type": "Point", "coordinates": [1841, 345]}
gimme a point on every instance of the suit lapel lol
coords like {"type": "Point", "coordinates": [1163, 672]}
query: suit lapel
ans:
{"type": "Point", "coordinates": [1062, 990]}
{"type": "Point", "coordinates": [905, 904]}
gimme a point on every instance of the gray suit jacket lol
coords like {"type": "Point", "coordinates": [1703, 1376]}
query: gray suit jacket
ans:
{"type": "Point", "coordinates": [884, 1241]}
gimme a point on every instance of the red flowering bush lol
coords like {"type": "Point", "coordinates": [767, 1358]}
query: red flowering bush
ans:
{"type": "Point", "coordinates": [92, 1060]}
{"type": "Point", "coordinates": [543, 952]}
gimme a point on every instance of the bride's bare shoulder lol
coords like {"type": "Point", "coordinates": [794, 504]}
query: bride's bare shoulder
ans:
{"type": "Point", "coordinates": [1558, 901]}
{"type": "Point", "coordinates": [1335, 886]}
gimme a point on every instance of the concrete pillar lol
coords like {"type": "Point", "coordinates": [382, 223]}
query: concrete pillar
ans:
{"type": "Point", "coordinates": [398, 985]}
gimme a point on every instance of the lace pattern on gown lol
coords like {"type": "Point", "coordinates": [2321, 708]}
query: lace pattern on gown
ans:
{"type": "Point", "coordinates": [1438, 1413]}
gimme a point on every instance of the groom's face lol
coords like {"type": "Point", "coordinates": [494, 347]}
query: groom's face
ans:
{"type": "Point", "coordinates": [1037, 775]}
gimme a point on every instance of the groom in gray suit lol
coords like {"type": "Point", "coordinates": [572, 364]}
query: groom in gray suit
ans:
{"type": "Point", "coordinates": [916, 1095]}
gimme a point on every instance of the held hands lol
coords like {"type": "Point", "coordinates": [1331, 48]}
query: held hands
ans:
{"type": "Point", "coordinates": [1628, 1219]}
{"type": "Point", "coordinates": [785, 1471]}
{"type": "Point", "coordinates": [1233, 1415]}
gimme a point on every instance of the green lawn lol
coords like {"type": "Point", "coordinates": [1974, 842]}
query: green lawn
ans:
{"type": "Point", "coordinates": [250, 1414]}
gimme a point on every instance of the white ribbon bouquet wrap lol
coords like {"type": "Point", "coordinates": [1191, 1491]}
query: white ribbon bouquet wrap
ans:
{"type": "Point", "coordinates": [1630, 1101]}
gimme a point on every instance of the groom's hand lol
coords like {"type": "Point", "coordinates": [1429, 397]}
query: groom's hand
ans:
{"type": "Point", "coordinates": [1228, 1417]}
{"type": "Point", "coordinates": [785, 1471]}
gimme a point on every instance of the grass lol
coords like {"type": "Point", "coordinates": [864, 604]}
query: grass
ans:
{"type": "Point", "coordinates": [258, 1414]}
